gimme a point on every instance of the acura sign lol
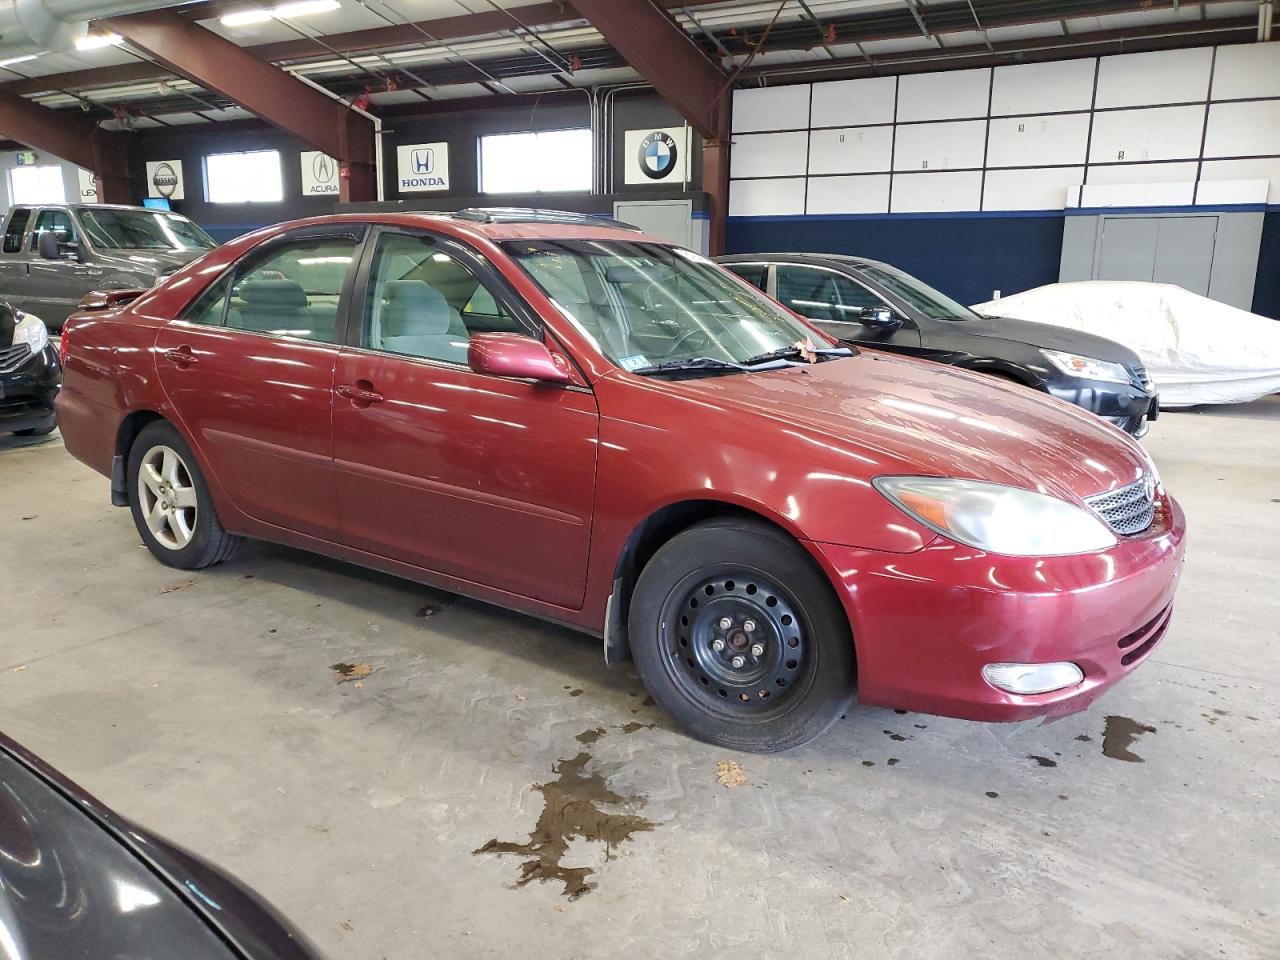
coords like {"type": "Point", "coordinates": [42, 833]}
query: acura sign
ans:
{"type": "Point", "coordinates": [421, 167]}
{"type": "Point", "coordinates": [319, 174]}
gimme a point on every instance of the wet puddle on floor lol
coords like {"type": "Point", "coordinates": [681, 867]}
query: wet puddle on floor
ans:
{"type": "Point", "coordinates": [573, 808]}
{"type": "Point", "coordinates": [1119, 735]}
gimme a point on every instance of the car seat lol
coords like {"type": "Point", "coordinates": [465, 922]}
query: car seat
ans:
{"type": "Point", "coordinates": [417, 320]}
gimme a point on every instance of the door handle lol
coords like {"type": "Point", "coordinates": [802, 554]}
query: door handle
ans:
{"type": "Point", "coordinates": [182, 356]}
{"type": "Point", "coordinates": [361, 393]}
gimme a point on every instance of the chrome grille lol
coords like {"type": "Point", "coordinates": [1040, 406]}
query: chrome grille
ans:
{"type": "Point", "coordinates": [11, 358]}
{"type": "Point", "coordinates": [1128, 510]}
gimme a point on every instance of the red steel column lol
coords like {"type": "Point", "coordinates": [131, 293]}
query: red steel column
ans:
{"type": "Point", "coordinates": [70, 137]}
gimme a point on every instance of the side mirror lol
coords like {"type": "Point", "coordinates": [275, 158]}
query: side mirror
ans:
{"type": "Point", "coordinates": [879, 318]}
{"type": "Point", "coordinates": [48, 246]}
{"type": "Point", "coordinates": [513, 355]}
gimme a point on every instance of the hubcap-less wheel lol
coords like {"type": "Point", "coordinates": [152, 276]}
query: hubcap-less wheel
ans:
{"type": "Point", "coordinates": [733, 641]}
{"type": "Point", "coordinates": [167, 495]}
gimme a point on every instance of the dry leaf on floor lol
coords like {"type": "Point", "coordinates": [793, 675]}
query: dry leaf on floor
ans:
{"type": "Point", "coordinates": [342, 672]}
{"type": "Point", "coordinates": [729, 773]}
{"type": "Point", "coordinates": [521, 696]}
{"type": "Point", "coordinates": [175, 587]}
{"type": "Point", "coordinates": [19, 669]}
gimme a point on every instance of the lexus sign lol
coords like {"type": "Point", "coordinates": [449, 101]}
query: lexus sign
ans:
{"type": "Point", "coordinates": [421, 167]}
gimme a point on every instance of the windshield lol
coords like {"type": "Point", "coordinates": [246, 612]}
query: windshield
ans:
{"type": "Point", "coordinates": [142, 230]}
{"type": "Point", "coordinates": [645, 304]}
{"type": "Point", "coordinates": [919, 295]}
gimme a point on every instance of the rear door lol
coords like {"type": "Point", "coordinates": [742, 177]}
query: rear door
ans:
{"type": "Point", "coordinates": [249, 367]}
{"type": "Point", "coordinates": [13, 260]}
{"type": "Point", "coordinates": [484, 478]}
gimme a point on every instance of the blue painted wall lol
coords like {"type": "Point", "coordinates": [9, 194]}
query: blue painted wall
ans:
{"type": "Point", "coordinates": [966, 257]}
{"type": "Point", "coordinates": [1266, 290]}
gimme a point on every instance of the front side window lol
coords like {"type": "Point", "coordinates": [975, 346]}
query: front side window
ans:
{"type": "Point", "coordinates": [56, 222]}
{"type": "Point", "coordinates": [250, 177]}
{"type": "Point", "coordinates": [112, 229]}
{"type": "Point", "coordinates": [643, 304]}
{"type": "Point", "coordinates": [294, 290]}
{"type": "Point", "coordinates": [208, 308]}
{"type": "Point", "coordinates": [822, 295]}
{"type": "Point", "coordinates": [922, 297]}
{"type": "Point", "coordinates": [544, 162]}
{"type": "Point", "coordinates": [16, 228]}
{"type": "Point", "coordinates": [425, 302]}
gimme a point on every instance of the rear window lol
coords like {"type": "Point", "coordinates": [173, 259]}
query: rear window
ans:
{"type": "Point", "coordinates": [16, 228]}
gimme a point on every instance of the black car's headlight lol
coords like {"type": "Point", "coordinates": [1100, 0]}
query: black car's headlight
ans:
{"type": "Point", "coordinates": [31, 330]}
{"type": "Point", "coordinates": [1088, 368]}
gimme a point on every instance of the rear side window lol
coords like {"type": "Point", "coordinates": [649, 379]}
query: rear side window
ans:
{"type": "Point", "coordinates": [753, 273]}
{"type": "Point", "coordinates": [293, 291]}
{"type": "Point", "coordinates": [16, 228]}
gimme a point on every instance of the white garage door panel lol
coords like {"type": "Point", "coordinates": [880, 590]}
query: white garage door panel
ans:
{"type": "Point", "coordinates": [865, 194]}
{"type": "Point", "coordinates": [1042, 87]}
{"type": "Point", "coordinates": [1044, 189]}
{"type": "Point", "coordinates": [937, 192]}
{"type": "Point", "coordinates": [1243, 129]}
{"type": "Point", "coordinates": [766, 198]}
{"type": "Point", "coordinates": [770, 108]}
{"type": "Point", "coordinates": [843, 103]}
{"type": "Point", "coordinates": [770, 154]}
{"type": "Point", "coordinates": [856, 150]}
{"type": "Point", "coordinates": [1037, 141]}
{"type": "Point", "coordinates": [1247, 70]}
{"type": "Point", "coordinates": [952, 145]}
{"type": "Point", "coordinates": [1165, 76]}
{"type": "Point", "coordinates": [1160, 133]}
{"type": "Point", "coordinates": [1173, 194]}
{"type": "Point", "coordinates": [942, 96]}
{"type": "Point", "coordinates": [1144, 173]}
{"type": "Point", "coordinates": [1268, 169]}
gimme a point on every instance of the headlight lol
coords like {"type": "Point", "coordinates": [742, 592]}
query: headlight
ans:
{"type": "Point", "coordinates": [30, 330]}
{"type": "Point", "coordinates": [1089, 368]}
{"type": "Point", "coordinates": [1000, 519]}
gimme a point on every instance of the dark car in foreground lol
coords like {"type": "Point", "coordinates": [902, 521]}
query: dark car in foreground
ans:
{"type": "Point", "coordinates": [30, 374]}
{"type": "Point", "coordinates": [79, 880]}
{"type": "Point", "coordinates": [582, 422]}
{"type": "Point", "coordinates": [865, 301]}
{"type": "Point", "coordinates": [53, 254]}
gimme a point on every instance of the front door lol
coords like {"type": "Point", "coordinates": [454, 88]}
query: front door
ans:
{"type": "Point", "coordinates": [483, 478]}
{"type": "Point", "coordinates": [14, 271]}
{"type": "Point", "coordinates": [835, 302]}
{"type": "Point", "coordinates": [249, 367]}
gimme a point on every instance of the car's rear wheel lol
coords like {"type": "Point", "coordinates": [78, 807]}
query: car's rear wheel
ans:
{"type": "Point", "coordinates": [170, 502]}
{"type": "Point", "coordinates": [37, 431]}
{"type": "Point", "coordinates": [739, 637]}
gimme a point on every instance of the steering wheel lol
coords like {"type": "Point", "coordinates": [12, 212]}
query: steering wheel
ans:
{"type": "Point", "coordinates": [686, 337]}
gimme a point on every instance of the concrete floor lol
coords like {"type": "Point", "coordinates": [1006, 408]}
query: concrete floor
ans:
{"type": "Point", "coordinates": [205, 708]}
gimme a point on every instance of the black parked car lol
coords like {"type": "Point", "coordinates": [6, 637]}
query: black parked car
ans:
{"type": "Point", "coordinates": [871, 303]}
{"type": "Point", "coordinates": [30, 374]}
{"type": "Point", "coordinates": [77, 880]}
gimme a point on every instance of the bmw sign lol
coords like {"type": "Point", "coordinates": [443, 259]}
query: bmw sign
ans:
{"type": "Point", "coordinates": [658, 155]}
{"type": "Point", "coordinates": [421, 167]}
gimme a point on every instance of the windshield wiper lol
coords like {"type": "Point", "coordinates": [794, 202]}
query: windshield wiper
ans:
{"type": "Point", "coordinates": [693, 363]}
{"type": "Point", "coordinates": [793, 352]}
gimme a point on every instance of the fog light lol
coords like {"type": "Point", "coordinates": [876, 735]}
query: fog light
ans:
{"type": "Point", "coordinates": [1032, 677]}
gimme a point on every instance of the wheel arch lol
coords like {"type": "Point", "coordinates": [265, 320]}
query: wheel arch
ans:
{"type": "Point", "coordinates": [1002, 369]}
{"type": "Point", "coordinates": [127, 432]}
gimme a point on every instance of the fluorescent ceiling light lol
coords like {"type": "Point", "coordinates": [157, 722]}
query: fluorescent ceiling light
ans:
{"type": "Point", "coordinates": [24, 59]}
{"type": "Point", "coordinates": [95, 41]}
{"type": "Point", "coordinates": [283, 11]}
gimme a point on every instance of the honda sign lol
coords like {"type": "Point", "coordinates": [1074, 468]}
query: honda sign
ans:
{"type": "Point", "coordinates": [422, 166]}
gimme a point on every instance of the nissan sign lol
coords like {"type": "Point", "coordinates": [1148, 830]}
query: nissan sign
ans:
{"type": "Point", "coordinates": [421, 167]}
{"type": "Point", "coordinates": [164, 179]}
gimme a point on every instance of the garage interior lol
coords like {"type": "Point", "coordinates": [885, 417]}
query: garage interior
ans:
{"type": "Point", "coordinates": [405, 772]}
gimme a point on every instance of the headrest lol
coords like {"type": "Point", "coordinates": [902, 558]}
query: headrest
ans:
{"type": "Point", "coordinates": [413, 293]}
{"type": "Point", "coordinates": [273, 294]}
{"type": "Point", "coordinates": [414, 307]}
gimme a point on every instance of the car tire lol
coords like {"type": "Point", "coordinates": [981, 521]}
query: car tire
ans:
{"type": "Point", "coordinates": [170, 502]}
{"type": "Point", "coordinates": [36, 431]}
{"type": "Point", "coordinates": [738, 635]}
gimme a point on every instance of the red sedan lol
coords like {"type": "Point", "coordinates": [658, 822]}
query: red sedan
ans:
{"type": "Point", "coordinates": [572, 419]}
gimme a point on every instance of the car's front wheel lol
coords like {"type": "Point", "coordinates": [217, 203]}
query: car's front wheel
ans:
{"type": "Point", "coordinates": [170, 501]}
{"type": "Point", "coordinates": [737, 634]}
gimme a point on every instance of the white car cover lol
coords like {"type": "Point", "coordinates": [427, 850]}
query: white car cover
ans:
{"type": "Point", "coordinates": [1196, 350]}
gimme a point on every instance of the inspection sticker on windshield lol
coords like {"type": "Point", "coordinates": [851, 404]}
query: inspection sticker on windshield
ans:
{"type": "Point", "coordinates": [634, 362]}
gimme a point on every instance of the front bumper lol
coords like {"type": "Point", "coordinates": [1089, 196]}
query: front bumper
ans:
{"type": "Point", "coordinates": [27, 392]}
{"type": "Point", "coordinates": [1129, 406]}
{"type": "Point", "coordinates": [925, 623]}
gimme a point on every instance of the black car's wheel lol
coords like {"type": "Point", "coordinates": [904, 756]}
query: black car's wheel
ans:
{"type": "Point", "coordinates": [738, 636]}
{"type": "Point", "coordinates": [170, 501]}
{"type": "Point", "coordinates": [37, 431]}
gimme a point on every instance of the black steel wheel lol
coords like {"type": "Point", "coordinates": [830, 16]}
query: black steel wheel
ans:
{"type": "Point", "coordinates": [738, 635]}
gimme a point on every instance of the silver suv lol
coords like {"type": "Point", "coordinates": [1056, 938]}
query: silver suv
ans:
{"type": "Point", "coordinates": [52, 255]}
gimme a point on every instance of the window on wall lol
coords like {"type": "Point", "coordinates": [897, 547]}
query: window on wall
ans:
{"type": "Point", "coordinates": [544, 162]}
{"type": "Point", "coordinates": [250, 177]}
{"type": "Point", "coordinates": [40, 184]}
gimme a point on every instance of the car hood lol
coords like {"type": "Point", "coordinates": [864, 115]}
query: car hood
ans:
{"type": "Point", "coordinates": [912, 416]}
{"type": "Point", "coordinates": [1049, 336]}
{"type": "Point", "coordinates": [160, 261]}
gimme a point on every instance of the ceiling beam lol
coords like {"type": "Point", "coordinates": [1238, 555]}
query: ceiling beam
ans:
{"type": "Point", "coordinates": [265, 90]}
{"type": "Point", "coordinates": [71, 137]}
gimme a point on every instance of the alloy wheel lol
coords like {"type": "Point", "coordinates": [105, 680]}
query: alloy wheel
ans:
{"type": "Point", "coordinates": [168, 497]}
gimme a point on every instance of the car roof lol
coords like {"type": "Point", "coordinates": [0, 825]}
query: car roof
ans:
{"type": "Point", "coordinates": [496, 225]}
{"type": "Point", "coordinates": [817, 259]}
